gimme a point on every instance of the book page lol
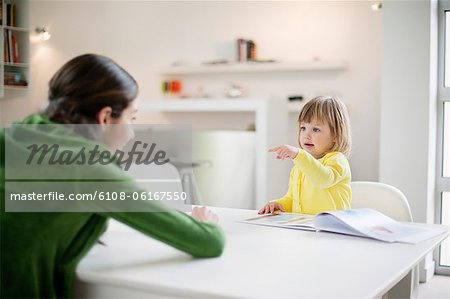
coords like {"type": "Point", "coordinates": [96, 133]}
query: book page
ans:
{"type": "Point", "coordinates": [373, 224]}
{"type": "Point", "coordinates": [286, 220]}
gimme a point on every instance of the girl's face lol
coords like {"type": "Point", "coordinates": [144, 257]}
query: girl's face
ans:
{"type": "Point", "coordinates": [315, 138]}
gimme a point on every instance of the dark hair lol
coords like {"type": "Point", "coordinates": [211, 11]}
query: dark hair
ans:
{"type": "Point", "coordinates": [85, 85]}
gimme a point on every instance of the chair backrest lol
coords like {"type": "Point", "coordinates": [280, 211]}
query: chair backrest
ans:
{"type": "Point", "coordinates": [161, 178]}
{"type": "Point", "coordinates": [383, 198]}
{"type": "Point", "coordinates": [154, 177]}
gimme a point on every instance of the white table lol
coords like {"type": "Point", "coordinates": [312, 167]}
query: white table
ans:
{"type": "Point", "coordinates": [258, 262]}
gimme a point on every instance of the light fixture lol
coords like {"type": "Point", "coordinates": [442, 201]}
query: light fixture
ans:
{"type": "Point", "coordinates": [377, 6]}
{"type": "Point", "coordinates": [45, 35]}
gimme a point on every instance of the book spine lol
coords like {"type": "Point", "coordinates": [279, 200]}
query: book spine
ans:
{"type": "Point", "coordinates": [15, 50]}
{"type": "Point", "coordinates": [10, 46]}
{"type": "Point", "coordinates": [1, 13]}
{"type": "Point", "coordinates": [13, 10]}
{"type": "Point", "coordinates": [251, 54]}
{"type": "Point", "coordinates": [253, 51]}
{"type": "Point", "coordinates": [5, 46]}
{"type": "Point", "coordinates": [8, 14]}
{"type": "Point", "coordinates": [6, 59]}
{"type": "Point", "coordinates": [242, 50]}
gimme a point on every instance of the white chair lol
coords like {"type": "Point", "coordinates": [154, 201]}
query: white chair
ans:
{"type": "Point", "coordinates": [393, 203]}
{"type": "Point", "coordinates": [161, 178]}
{"type": "Point", "coordinates": [383, 198]}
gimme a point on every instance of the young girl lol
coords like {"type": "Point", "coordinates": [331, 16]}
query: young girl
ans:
{"type": "Point", "coordinates": [320, 178]}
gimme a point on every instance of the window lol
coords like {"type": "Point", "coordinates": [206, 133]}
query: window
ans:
{"type": "Point", "coordinates": [443, 136]}
{"type": "Point", "coordinates": [445, 246]}
{"type": "Point", "coordinates": [446, 141]}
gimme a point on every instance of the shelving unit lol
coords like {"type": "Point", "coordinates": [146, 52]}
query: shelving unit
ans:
{"type": "Point", "coordinates": [255, 67]}
{"type": "Point", "coordinates": [14, 72]}
{"type": "Point", "coordinates": [271, 128]}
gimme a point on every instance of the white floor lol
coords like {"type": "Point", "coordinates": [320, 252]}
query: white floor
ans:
{"type": "Point", "coordinates": [437, 288]}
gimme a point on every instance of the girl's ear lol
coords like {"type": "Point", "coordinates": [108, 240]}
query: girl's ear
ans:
{"type": "Point", "coordinates": [104, 116]}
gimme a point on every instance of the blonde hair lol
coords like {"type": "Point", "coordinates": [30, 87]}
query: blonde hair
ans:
{"type": "Point", "coordinates": [330, 110]}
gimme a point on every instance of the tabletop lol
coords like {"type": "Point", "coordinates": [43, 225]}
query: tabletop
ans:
{"type": "Point", "coordinates": [258, 262]}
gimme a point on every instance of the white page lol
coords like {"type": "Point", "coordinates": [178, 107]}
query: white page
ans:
{"type": "Point", "coordinates": [330, 223]}
{"type": "Point", "coordinates": [286, 220]}
{"type": "Point", "coordinates": [373, 224]}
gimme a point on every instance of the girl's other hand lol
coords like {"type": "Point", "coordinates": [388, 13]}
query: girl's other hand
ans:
{"type": "Point", "coordinates": [271, 207]}
{"type": "Point", "coordinates": [204, 214]}
{"type": "Point", "coordinates": [285, 151]}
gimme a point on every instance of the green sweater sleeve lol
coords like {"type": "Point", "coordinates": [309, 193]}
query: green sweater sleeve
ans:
{"type": "Point", "coordinates": [177, 229]}
{"type": "Point", "coordinates": [199, 239]}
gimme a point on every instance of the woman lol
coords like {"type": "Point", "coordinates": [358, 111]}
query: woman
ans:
{"type": "Point", "coordinates": [40, 251]}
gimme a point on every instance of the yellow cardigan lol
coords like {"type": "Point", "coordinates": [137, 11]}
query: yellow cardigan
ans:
{"type": "Point", "coordinates": [318, 185]}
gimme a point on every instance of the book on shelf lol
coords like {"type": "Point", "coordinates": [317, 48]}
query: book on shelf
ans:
{"type": "Point", "coordinates": [242, 49]}
{"type": "Point", "coordinates": [5, 46]}
{"type": "Point", "coordinates": [15, 50]}
{"type": "Point", "coordinates": [367, 223]}
{"type": "Point", "coordinates": [14, 78]}
{"type": "Point", "coordinates": [251, 50]}
{"type": "Point", "coordinates": [246, 50]}
{"type": "Point", "coordinates": [10, 46]}
{"type": "Point", "coordinates": [10, 15]}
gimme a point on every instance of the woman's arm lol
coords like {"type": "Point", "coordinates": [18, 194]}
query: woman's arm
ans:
{"type": "Point", "coordinates": [199, 239]}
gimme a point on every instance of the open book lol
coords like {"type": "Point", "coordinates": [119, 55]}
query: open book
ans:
{"type": "Point", "coordinates": [366, 223]}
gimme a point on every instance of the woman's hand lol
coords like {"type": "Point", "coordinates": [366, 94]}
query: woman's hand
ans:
{"type": "Point", "coordinates": [285, 151]}
{"type": "Point", "coordinates": [204, 214]}
{"type": "Point", "coordinates": [271, 207]}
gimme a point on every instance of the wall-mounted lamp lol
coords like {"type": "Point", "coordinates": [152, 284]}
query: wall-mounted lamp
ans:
{"type": "Point", "coordinates": [377, 6]}
{"type": "Point", "coordinates": [45, 35]}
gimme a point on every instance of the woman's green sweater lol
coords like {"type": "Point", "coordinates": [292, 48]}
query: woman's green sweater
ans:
{"type": "Point", "coordinates": [40, 251]}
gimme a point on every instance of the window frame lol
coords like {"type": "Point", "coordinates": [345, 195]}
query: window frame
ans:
{"type": "Point", "coordinates": [442, 183]}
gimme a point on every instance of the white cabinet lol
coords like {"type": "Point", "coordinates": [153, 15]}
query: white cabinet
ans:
{"type": "Point", "coordinates": [15, 46]}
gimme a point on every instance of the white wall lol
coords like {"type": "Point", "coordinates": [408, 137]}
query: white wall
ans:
{"type": "Point", "coordinates": [143, 36]}
{"type": "Point", "coordinates": [408, 105]}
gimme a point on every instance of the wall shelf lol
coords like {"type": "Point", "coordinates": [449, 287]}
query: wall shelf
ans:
{"type": "Point", "coordinates": [255, 67]}
{"type": "Point", "coordinates": [201, 105]}
{"type": "Point", "coordinates": [211, 105]}
{"type": "Point", "coordinates": [18, 87]}
{"type": "Point", "coordinates": [21, 29]}
{"type": "Point", "coordinates": [16, 64]}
